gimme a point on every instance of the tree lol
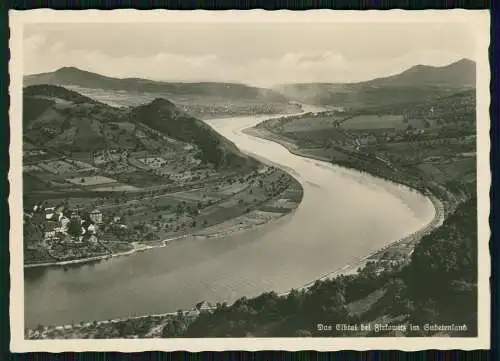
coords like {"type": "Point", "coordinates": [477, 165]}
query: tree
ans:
{"type": "Point", "coordinates": [74, 227]}
{"type": "Point", "coordinates": [169, 330]}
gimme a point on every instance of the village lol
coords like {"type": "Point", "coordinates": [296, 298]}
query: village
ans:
{"type": "Point", "coordinates": [59, 233]}
{"type": "Point", "coordinates": [98, 225]}
{"type": "Point", "coordinates": [211, 110]}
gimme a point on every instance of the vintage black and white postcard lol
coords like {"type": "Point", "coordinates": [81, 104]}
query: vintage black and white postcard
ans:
{"type": "Point", "coordinates": [249, 180]}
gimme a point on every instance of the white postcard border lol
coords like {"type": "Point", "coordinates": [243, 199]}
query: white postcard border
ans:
{"type": "Point", "coordinates": [479, 20]}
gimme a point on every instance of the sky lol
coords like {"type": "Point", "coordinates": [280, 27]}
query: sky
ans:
{"type": "Point", "coordinates": [261, 54]}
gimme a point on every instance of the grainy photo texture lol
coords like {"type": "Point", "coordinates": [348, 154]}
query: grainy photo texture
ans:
{"type": "Point", "coordinates": [249, 180]}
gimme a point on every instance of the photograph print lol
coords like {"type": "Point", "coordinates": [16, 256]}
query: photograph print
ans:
{"type": "Point", "coordinates": [245, 178]}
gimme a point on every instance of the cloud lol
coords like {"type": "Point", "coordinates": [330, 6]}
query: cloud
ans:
{"type": "Point", "coordinates": [33, 43]}
{"type": "Point", "coordinates": [290, 67]}
{"type": "Point", "coordinates": [263, 54]}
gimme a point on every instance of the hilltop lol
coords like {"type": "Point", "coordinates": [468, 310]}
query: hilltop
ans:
{"type": "Point", "coordinates": [163, 116]}
{"type": "Point", "coordinates": [65, 123]}
{"type": "Point", "coordinates": [202, 99]}
{"type": "Point", "coordinates": [76, 77]}
{"type": "Point", "coordinates": [420, 82]}
{"type": "Point", "coordinates": [57, 117]}
{"type": "Point", "coordinates": [460, 74]}
{"type": "Point", "coordinates": [100, 181]}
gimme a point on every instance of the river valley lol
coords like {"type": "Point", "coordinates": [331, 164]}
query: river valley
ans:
{"type": "Point", "coordinates": [344, 215]}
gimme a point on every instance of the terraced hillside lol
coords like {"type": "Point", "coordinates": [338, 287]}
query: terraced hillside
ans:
{"type": "Point", "coordinates": [132, 175]}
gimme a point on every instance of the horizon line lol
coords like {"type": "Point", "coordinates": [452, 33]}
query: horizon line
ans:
{"type": "Point", "coordinates": [248, 84]}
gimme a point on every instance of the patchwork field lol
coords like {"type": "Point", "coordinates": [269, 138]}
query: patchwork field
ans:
{"type": "Point", "coordinates": [107, 156]}
{"type": "Point", "coordinates": [374, 122]}
{"type": "Point", "coordinates": [309, 123]}
{"type": "Point", "coordinates": [153, 162]}
{"type": "Point", "coordinates": [91, 180]}
{"type": "Point", "coordinates": [65, 166]}
{"type": "Point", "coordinates": [197, 196]}
{"type": "Point", "coordinates": [433, 171]}
{"type": "Point", "coordinates": [115, 98]}
{"type": "Point", "coordinates": [116, 187]}
{"type": "Point", "coordinates": [32, 168]}
{"type": "Point", "coordinates": [29, 151]}
{"type": "Point", "coordinates": [238, 224]}
{"type": "Point", "coordinates": [283, 204]}
{"type": "Point", "coordinates": [227, 190]}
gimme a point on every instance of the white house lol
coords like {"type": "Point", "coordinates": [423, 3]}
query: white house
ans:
{"type": "Point", "coordinates": [92, 239]}
{"type": "Point", "coordinates": [96, 216]}
{"type": "Point", "coordinates": [50, 234]}
{"type": "Point", "coordinates": [92, 228]}
{"type": "Point", "coordinates": [64, 223]}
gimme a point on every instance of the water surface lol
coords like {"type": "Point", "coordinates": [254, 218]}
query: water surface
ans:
{"type": "Point", "coordinates": [344, 216]}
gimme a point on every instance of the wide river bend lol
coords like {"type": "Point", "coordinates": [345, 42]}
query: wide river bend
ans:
{"type": "Point", "coordinates": [344, 216]}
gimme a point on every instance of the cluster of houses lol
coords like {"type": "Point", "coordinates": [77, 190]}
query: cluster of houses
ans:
{"type": "Point", "coordinates": [190, 175]}
{"type": "Point", "coordinates": [60, 224]}
{"type": "Point", "coordinates": [110, 155]}
{"type": "Point", "coordinates": [33, 153]}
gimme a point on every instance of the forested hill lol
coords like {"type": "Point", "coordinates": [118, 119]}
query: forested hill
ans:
{"type": "Point", "coordinates": [165, 117]}
{"type": "Point", "coordinates": [460, 74]}
{"type": "Point", "coordinates": [67, 121]}
{"type": "Point", "coordinates": [71, 76]}
{"type": "Point", "coordinates": [418, 83]}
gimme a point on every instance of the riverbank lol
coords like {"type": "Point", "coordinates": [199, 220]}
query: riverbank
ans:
{"type": "Point", "coordinates": [153, 325]}
{"type": "Point", "coordinates": [294, 149]}
{"type": "Point", "coordinates": [158, 321]}
{"type": "Point", "coordinates": [253, 218]}
{"type": "Point", "coordinates": [352, 268]}
{"type": "Point", "coordinates": [413, 237]}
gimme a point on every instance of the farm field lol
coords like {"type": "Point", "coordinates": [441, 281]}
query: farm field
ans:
{"type": "Point", "coordinates": [115, 98]}
{"type": "Point", "coordinates": [383, 121]}
{"type": "Point", "coordinates": [309, 123]}
{"type": "Point", "coordinates": [32, 168]}
{"type": "Point", "coordinates": [116, 188]}
{"type": "Point", "coordinates": [65, 166]}
{"type": "Point", "coordinates": [91, 180]}
{"type": "Point", "coordinates": [238, 224]}
{"type": "Point", "coordinates": [153, 162]}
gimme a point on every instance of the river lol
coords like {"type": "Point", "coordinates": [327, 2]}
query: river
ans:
{"type": "Point", "coordinates": [344, 216]}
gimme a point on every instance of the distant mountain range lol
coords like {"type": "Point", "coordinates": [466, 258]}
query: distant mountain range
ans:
{"type": "Point", "coordinates": [418, 82]}
{"type": "Point", "coordinates": [207, 99]}
{"type": "Point", "coordinates": [460, 74]}
{"type": "Point", "coordinates": [71, 76]}
{"type": "Point", "coordinates": [65, 120]}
